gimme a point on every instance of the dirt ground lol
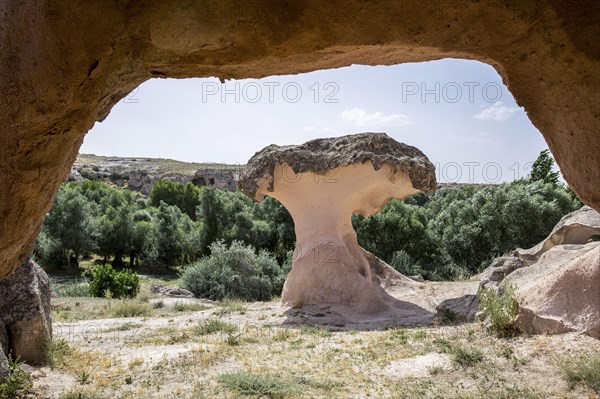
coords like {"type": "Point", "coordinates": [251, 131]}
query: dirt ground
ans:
{"type": "Point", "coordinates": [173, 348]}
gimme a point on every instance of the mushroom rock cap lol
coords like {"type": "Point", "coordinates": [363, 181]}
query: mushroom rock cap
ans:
{"type": "Point", "coordinates": [322, 155]}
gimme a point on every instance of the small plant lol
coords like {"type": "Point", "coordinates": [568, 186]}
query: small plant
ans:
{"type": "Point", "coordinates": [84, 378]}
{"type": "Point", "coordinates": [212, 326]}
{"type": "Point", "coordinates": [233, 340]}
{"type": "Point", "coordinates": [466, 356]}
{"type": "Point", "coordinates": [104, 279]}
{"type": "Point", "coordinates": [17, 385]}
{"type": "Point", "coordinates": [158, 305]}
{"type": "Point", "coordinates": [55, 352]}
{"type": "Point", "coordinates": [130, 309]}
{"type": "Point", "coordinates": [258, 386]}
{"type": "Point", "coordinates": [500, 309]}
{"type": "Point", "coordinates": [447, 316]}
{"type": "Point", "coordinates": [582, 370]}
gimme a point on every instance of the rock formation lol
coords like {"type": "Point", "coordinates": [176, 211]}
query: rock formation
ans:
{"type": "Point", "coordinates": [25, 312]}
{"type": "Point", "coordinates": [558, 280]}
{"type": "Point", "coordinates": [560, 292]}
{"type": "Point", "coordinates": [65, 64]}
{"type": "Point", "coordinates": [170, 292]}
{"type": "Point", "coordinates": [322, 183]}
{"type": "Point", "coordinates": [575, 228]}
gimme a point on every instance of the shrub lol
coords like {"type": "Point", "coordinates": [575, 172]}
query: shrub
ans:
{"type": "Point", "coordinates": [234, 272]}
{"type": "Point", "coordinates": [582, 370]}
{"type": "Point", "coordinates": [130, 309]}
{"type": "Point", "coordinates": [17, 385]}
{"type": "Point", "coordinates": [105, 280]}
{"type": "Point", "coordinates": [258, 385]}
{"type": "Point", "coordinates": [500, 309]}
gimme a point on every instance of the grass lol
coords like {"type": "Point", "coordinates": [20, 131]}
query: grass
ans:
{"type": "Point", "coordinates": [258, 385]}
{"type": "Point", "coordinates": [130, 309]}
{"type": "Point", "coordinates": [500, 310]}
{"type": "Point", "coordinates": [75, 290]}
{"type": "Point", "coordinates": [227, 306]}
{"type": "Point", "coordinates": [582, 370]}
{"type": "Point", "coordinates": [212, 326]}
{"type": "Point", "coordinates": [461, 354]}
{"type": "Point", "coordinates": [181, 306]}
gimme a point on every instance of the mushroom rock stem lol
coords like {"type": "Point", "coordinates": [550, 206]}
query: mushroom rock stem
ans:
{"type": "Point", "coordinates": [329, 267]}
{"type": "Point", "coordinates": [358, 176]}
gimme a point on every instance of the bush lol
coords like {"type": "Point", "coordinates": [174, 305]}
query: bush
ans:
{"type": "Point", "coordinates": [500, 309]}
{"type": "Point", "coordinates": [104, 280]}
{"type": "Point", "coordinates": [234, 272]}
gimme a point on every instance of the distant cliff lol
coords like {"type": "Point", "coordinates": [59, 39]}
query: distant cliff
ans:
{"type": "Point", "coordinates": [139, 174]}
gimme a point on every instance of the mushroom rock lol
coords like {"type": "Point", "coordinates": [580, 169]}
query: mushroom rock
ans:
{"type": "Point", "coordinates": [322, 183]}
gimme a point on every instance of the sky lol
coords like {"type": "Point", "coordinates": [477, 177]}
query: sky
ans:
{"type": "Point", "coordinates": [458, 112]}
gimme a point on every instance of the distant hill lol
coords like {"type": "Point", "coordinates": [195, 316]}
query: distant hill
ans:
{"type": "Point", "coordinates": [140, 173]}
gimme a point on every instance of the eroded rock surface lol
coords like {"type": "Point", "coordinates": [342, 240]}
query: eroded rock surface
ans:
{"type": "Point", "coordinates": [65, 64]}
{"type": "Point", "coordinates": [577, 227]}
{"type": "Point", "coordinates": [170, 292]}
{"type": "Point", "coordinates": [25, 311]}
{"type": "Point", "coordinates": [561, 292]}
{"type": "Point", "coordinates": [322, 183]}
{"type": "Point", "coordinates": [558, 280]}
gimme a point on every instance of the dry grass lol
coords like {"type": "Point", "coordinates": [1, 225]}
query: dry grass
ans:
{"type": "Point", "coordinates": [245, 350]}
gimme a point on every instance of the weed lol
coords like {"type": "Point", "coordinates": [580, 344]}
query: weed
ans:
{"type": "Point", "coordinates": [500, 310]}
{"type": "Point", "coordinates": [212, 326]}
{"type": "Point", "coordinates": [258, 385]}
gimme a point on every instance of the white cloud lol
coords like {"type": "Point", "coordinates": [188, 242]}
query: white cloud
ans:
{"type": "Point", "coordinates": [497, 112]}
{"type": "Point", "coordinates": [360, 117]}
{"type": "Point", "coordinates": [319, 129]}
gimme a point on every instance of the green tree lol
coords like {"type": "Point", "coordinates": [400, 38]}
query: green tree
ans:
{"type": "Point", "coordinates": [70, 225]}
{"type": "Point", "coordinates": [542, 169]}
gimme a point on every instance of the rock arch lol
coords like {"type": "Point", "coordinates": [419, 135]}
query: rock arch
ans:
{"type": "Point", "coordinates": [64, 64]}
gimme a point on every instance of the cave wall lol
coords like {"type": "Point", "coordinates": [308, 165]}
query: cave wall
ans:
{"type": "Point", "coordinates": [64, 64]}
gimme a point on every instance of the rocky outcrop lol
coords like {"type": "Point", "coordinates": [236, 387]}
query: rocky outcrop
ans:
{"type": "Point", "coordinates": [561, 292]}
{"type": "Point", "coordinates": [25, 311]}
{"type": "Point", "coordinates": [558, 280]}
{"type": "Point", "coordinates": [575, 228]}
{"type": "Point", "coordinates": [501, 267]}
{"type": "Point", "coordinates": [170, 292]}
{"type": "Point", "coordinates": [63, 73]}
{"type": "Point", "coordinates": [322, 183]}
{"type": "Point", "coordinates": [4, 368]}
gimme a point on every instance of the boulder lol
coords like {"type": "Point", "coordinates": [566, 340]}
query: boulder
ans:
{"type": "Point", "coordinates": [561, 292]}
{"type": "Point", "coordinates": [464, 308]}
{"type": "Point", "coordinates": [498, 270]}
{"type": "Point", "coordinates": [577, 227]}
{"type": "Point", "coordinates": [170, 292]}
{"type": "Point", "coordinates": [322, 183]}
{"type": "Point", "coordinates": [25, 311]}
